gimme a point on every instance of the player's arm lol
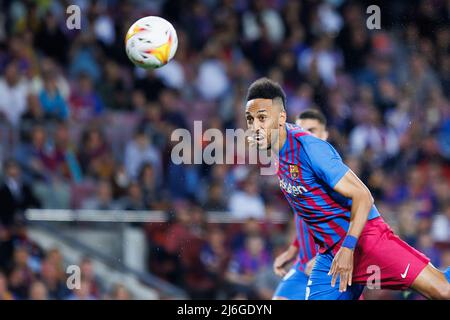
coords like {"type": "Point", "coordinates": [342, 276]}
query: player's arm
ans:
{"type": "Point", "coordinates": [329, 167]}
{"type": "Point", "coordinates": [351, 187]}
{"type": "Point", "coordinates": [284, 258]}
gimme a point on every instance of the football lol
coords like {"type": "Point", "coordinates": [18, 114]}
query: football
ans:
{"type": "Point", "coordinates": [151, 42]}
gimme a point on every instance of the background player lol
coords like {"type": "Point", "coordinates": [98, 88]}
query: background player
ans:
{"type": "Point", "coordinates": [293, 284]}
{"type": "Point", "coordinates": [338, 208]}
{"type": "Point", "coordinates": [313, 121]}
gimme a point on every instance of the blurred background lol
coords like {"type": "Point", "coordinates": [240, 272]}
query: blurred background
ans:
{"type": "Point", "coordinates": [86, 176]}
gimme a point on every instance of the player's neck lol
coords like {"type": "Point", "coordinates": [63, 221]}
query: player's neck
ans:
{"type": "Point", "coordinates": [282, 133]}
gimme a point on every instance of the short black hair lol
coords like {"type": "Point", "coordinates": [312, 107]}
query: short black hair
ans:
{"type": "Point", "coordinates": [313, 114]}
{"type": "Point", "coordinates": [264, 88]}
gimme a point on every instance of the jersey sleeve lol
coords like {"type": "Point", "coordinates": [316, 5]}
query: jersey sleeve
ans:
{"type": "Point", "coordinates": [325, 161]}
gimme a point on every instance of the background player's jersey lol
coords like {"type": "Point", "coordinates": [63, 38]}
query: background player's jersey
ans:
{"type": "Point", "coordinates": [307, 248]}
{"type": "Point", "coordinates": [308, 170]}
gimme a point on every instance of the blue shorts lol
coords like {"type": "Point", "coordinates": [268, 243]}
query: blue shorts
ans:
{"type": "Point", "coordinates": [293, 285]}
{"type": "Point", "coordinates": [319, 284]}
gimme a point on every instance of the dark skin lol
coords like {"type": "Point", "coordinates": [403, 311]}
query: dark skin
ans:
{"type": "Point", "coordinates": [266, 119]}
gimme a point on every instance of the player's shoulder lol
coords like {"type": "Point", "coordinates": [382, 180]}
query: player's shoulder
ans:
{"type": "Point", "coordinates": [311, 145]}
{"type": "Point", "coordinates": [296, 131]}
{"type": "Point", "coordinates": [301, 135]}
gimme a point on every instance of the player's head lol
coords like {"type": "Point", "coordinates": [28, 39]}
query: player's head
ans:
{"type": "Point", "coordinates": [265, 111]}
{"type": "Point", "coordinates": [314, 122]}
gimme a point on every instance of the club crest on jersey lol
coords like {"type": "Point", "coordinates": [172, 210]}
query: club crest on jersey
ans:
{"type": "Point", "coordinates": [293, 171]}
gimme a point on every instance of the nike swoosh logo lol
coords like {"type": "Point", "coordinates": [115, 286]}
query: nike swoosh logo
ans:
{"type": "Point", "coordinates": [403, 275]}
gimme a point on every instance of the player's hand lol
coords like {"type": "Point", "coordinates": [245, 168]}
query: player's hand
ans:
{"type": "Point", "coordinates": [342, 266]}
{"type": "Point", "coordinates": [282, 260]}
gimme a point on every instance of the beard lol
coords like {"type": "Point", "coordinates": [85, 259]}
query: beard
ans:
{"type": "Point", "coordinates": [270, 140]}
{"type": "Point", "coordinates": [267, 148]}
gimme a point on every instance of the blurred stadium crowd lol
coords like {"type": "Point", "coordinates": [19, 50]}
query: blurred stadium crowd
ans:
{"type": "Point", "coordinates": [80, 127]}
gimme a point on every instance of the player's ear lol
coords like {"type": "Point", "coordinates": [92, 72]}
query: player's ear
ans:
{"type": "Point", "coordinates": [282, 118]}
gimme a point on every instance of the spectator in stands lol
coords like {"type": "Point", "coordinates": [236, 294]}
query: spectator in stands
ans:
{"type": "Point", "coordinates": [120, 182]}
{"type": "Point", "coordinates": [38, 291]}
{"type": "Point", "coordinates": [266, 281]}
{"type": "Point", "coordinates": [179, 234]}
{"type": "Point", "coordinates": [134, 199]}
{"type": "Point", "coordinates": [54, 256]}
{"type": "Point", "coordinates": [139, 151]}
{"type": "Point", "coordinates": [445, 257]}
{"type": "Point", "coordinates": [421, 78]}
{"type": "Point", "coordinates": [20, 274]}
{"type": "Point", "coordinates": [245, 265]}
{"type": "Point", "coordinates": [103, 200]}
{"type": "Point", "coordinates": [15, 195]}
{"type": "Point", "coordinates": [14, 91]}
{"type": "Point", "coordinates": [189, 232]}
{"type": "Point", "coordinates": [85, 102]}
{"type": "Point", "coordinates": [94, 155]}
{"type": "Point", "coordinates": [87, 272]}
{"type": "Point", "coordinates": [215, 256]}
{"type": "Point", "coordinates": [120, 292]}
{"type": "Point", "coordinates": [441, 225]}
{"type": "Point", "coordinates": [176, 238]}
{"type": "Point", "coordinates": [83, 292]}
{"type": "Point", "coordinates": [152, 123]}
{"type": "Point", "coordinates": [6, 246]}
{"type": "Point", "coordinates": [4, 292]}
{"type": "Point", "coordinates": [370, 134]}
{"type": "Point", "coordinates": [247, 203]}
{"type": "Point", "coordinates": [250, 227]}
{"type": "Point", "coordinates": [33, 116]}
{"type": "Point", "coordinates": [172, 110]}
{"type": "Point", "coordinates": [222, 174]}
{"type": "Point", "coordinates": [216, 198]}
{"type": "Point", "coordinates": [66, 164]}
{"type": "Point", "coordinates": [199, 220]}
{"type": "Point", "coordinates": [84, 62]}
{"type": "Point", "coordinates": [51, 40]}
{"type": "Point", "coordinates": [112, 88]}
{"type": "Point", "coordinates": [321, 59]}
{"type": "Point", "coordinates": [149, 81]}
{"type": "Point", "coordinates": [56, 285]}
{"type": "Point", "coordinates": [426, 245]}
{"type": "Point", "coordinates": [49, 66]}
{"type": "Point", "coordinates": [212, 81]}
{"type": "Point", "coordinates": [154, 196]}
{"type": "Point", "coordinates": [51, 99]}
{"type": "Point", "coordinates": [18, 284]}
{"type": "Point", "coordinates": [35, 157]}
{"type": "Point", "coordinates": [198, 283]}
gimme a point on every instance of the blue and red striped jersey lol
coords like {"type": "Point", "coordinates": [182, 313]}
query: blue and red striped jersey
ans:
{"type": "Point", "coordinates": [304, 241]}
{"type": "Point", "coordinates": [308, 170]}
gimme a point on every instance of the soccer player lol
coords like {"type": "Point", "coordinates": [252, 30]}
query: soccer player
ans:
{"type": "Point", "coordinates": [338, 208]}
{"type": "Point", "coordinates": [293, 284]}
{"type": "Point", "coordinates": [314, 122]}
